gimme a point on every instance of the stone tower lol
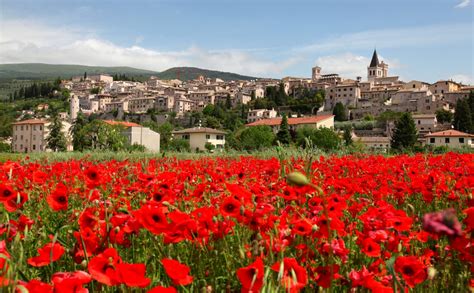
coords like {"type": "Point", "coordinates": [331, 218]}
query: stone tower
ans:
{"type": "Point", "coordinates": [316, 73]}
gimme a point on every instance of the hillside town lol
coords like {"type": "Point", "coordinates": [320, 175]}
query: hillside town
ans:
{"type": "Point", "coordinates": [129, 103]}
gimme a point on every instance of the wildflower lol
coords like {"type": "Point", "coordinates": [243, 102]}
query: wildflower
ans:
{"type": "Point", "coordinates": [442, 223]}
{"type": "Point", "coordinates": [251, 276]}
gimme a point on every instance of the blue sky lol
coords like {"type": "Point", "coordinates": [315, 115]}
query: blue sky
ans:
{"type": "Point", "coordinates": [419, 39]}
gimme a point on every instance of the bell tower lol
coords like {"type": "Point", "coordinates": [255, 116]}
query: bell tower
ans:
{"type": "Point", "coordinates": [376, 68]}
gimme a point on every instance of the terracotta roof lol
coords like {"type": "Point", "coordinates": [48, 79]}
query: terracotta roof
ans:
{"type": "Point", "coordinates": [122, 123]}
{"type": "Point", "coordinates": [199, 130]}
{"type": "Point", "coordinates": [291, 121]}
{"type": "Point", "coordinates": [449, 133]}
{"type": "Point", "coordinates": [30, 121]}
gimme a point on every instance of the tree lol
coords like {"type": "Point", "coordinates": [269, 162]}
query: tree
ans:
{"type": "Point", "coordinates": [283, 135]}
{"type": "Point", "coordinates": [348, 136]}
{"type": "Point", "coordinates": [85, 75]}
{"type": "Point", "coordinates": [462, 116]}
{"type": "Point", "coordinates": [228, 102]}
{"type": "Point", "coordinates": [179, 145]}
{"type": "Point", "coordinates": [323, 138]}
{"type": "Point", "coordinates": [78, 138]}
{"type": "Point", "coordinates": [443, 116]}
{"type": "Point", "coordinates": [339, 112]}
{"type": "Point", "coordinates": [56, 141]}
{"type": "Point", "coordinates": [256, 137]}
{"type": "Point", "coordinates": [405, 134]}
{"type": "Point", "coordinates": [470, 101]}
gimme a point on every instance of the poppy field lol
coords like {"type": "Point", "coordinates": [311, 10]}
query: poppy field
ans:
{"type": "Point", "coordinates": [336, 224]}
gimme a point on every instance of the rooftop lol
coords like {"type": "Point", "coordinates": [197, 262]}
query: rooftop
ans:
{"type": "Point", "coordinates": [291, 121]}
{"type": "Point", "coordinates": [199, 130]}
{"type": "Point", "coordinates": [30, 121]}
{"type": "Point", "coordinates": [122, 123]}
{"type": "Point", "coordinates": [449, 133]}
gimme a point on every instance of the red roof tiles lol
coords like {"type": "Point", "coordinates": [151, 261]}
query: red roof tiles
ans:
{"type": "Point", "coordinates": [122, 123]}
{"type": "Point", "coordinates": [449, 133]}
{"type": "Point", "coordinates": [291, 121]}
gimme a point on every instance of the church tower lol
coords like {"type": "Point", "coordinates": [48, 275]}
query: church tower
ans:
{"type": "Point", "coordinates": [376, 69]}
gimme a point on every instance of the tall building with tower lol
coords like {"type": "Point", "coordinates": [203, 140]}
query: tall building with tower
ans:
{"type": "Point", "coordinates": [376, 68]}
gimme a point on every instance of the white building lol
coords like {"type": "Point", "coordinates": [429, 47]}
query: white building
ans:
{"type": "Point", "coordinates": [198, 137]}
{"type": "Point", "coordinates": [137, 134]}
{"type": "Point", "coordinates": [259, 114]}
{"type": "Point", "coordinates": [449, 138]}
{"type": "Point", "coordinates": [29, 136]}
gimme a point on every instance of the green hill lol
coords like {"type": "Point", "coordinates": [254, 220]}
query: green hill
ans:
{"type": "Point", "coordinates": [50, 71]}
{"type": "Point", "coordinates": [189, 73]}
{"type": "Point", "coordinates": [47, 71]}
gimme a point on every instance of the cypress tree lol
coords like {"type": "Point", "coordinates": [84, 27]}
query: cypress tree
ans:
{"type": "Point", "coordinates": [405, 134]}
{"type": "Point", "coordinates": [462, 116]}
{"type": "Point", "coordinates": [56, 140]}
{"type": "Point", "coordinates": [339, 112]}
{"type": "Point", "coordinates": [348, 136]}
{"type": "Point", "coordinates": [283, 135]}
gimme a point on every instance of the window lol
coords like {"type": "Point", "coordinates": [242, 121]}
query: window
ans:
{"type": "Point", "coordinates": [432, 140]}
{"type": "Point", "coordinates": [41, 127]}
{"type": "Point", "coordinates": [461, 140]}
{"type": "Point", "coordinates": [185, 136]}
{"type": "Point", "coordinates": [219, 137]}
{"type": "Point", "coordinates": [414, 86]}
{"type": "Point", "coordinates": [22, 127]}
{"type": "Point", "coordinates": [34, 147]}
{"type": "Point", "coordinates": [208, 136]}
{"type": "Point", "coordinates": [419, 122]}
{"type": "Point", "coordinates": [446, 140]}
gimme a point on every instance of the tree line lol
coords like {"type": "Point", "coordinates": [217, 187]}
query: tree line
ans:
{"type": "Point", "coordinates": [35, 90]}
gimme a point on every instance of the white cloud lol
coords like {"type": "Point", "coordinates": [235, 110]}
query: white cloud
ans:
{"type": "Point", "coordinates": [26, 41]}
{"type": "Point", "coordinates": [463, 3]}
{"type": "Point", "coordinates": [393, 38]}
{"type": "Point", "coordinates": [463, 78]}
{"type": "Point", "coordinates": [349, 65]}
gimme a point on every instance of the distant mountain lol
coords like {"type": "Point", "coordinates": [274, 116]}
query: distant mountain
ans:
{"type": "Point", "coordinates": [45, 71]}
{"type": "Point", "coordinates": [189, 73]}
{"type": "Point", "coordinates": [49, 71]}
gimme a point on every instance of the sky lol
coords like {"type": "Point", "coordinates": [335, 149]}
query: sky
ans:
{"type": "Point", "coordinates": [426, 40]}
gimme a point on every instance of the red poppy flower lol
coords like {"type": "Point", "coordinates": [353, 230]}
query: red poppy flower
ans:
{"type": "Point", "coordinates": [469, 220]}
{"type": "Point", "coordinates": [70, 282]}
{"type": "Point", "coordinates": [47, 254]}
{"type": "Point", "coordinates": [152, 218]}
{"type": "Point", "coordinates": [3, 260]}
{"type": "Point", "coordinates": [38, 287]}
{"type": "Point", "coordinates": [412, 270]}
{"type": "Point", "coordinates": [178, 272]}
{"type": "Point", "coordinates": [58, 199]}
{"type": "Point", "coordinates": [103, 267]}
{"type": "Point", "coordinates": [251, 276]}
{"type": "Point", "coordinates": [6, 192]}
{"type": "Point", "coordinates": [370, 247]}
{"type": "Point", "coordinates": [293, 276]}
{"type": "Point", "coordinates": [133, 275]}
{"type": "Point", "coordinates": [326, 274]}
{"type": "Point", "coordinates": [160, 289]}
{"type": "Point", "coordinates": [302, 227]}
{"type": "Point", "coordinates": [230, 207]}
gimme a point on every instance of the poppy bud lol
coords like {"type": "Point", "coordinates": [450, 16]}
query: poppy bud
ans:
{"type": "Point", "coordinates": [315, 228]}
{"type": "Point", "coordinates": [431, 273]}
{"type": "Point", "coordinates": [400, 247]}
{"type": "Point", "coordinates": [296, 178]}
